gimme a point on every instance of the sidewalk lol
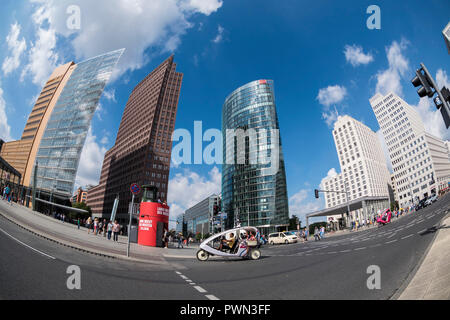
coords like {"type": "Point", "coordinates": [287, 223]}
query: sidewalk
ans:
{"type": "Point", "coordinates": [69, 235]}
{"type": "Point", "coordinates": [432, 279]}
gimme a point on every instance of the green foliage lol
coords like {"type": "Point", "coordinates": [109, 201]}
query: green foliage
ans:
{"type": "Point", "coordinates": [293, 222]}
{"type": "Point", "coordinates": [82, 206]}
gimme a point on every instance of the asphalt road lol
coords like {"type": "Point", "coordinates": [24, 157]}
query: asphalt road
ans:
{"type": "Point", "coordinates": [334, 268]}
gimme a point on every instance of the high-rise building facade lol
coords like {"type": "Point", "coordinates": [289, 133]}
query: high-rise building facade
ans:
{"type": "Point", "coordinates": [22, 153]}
{"type": "Point", "coordinates": [252, 193]}
{"type": "Point", "coordinates": [142, 151]}
{"type": "Point", "coordinates": [58, 124]}
{"type": "Point", "coordinates": [63, 140]}
{"type": "Point", "coordinates": [199, 218]}
{"type": "Point", "coordinates": [419, 160]}
{"type": "Point", "coordinates": [363, 166]}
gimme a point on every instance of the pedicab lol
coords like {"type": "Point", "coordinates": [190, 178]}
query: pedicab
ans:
{"type": "Point", "coordinates": [385, 218]}
{"type": "Point", "coordinates": [237, 242]}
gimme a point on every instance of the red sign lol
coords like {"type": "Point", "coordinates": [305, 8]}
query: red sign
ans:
{"type": "Point", "coordinates": [151, 213]}
{"type": "Point", "coordinates": [262, 81]}
{"type": "Point", "coordinates": [135, 188]}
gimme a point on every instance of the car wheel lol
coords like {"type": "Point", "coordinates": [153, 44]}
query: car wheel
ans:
{"type": "Point", "coordinates": [271, 243]}
{"type": "Point", "coordinates": [286, 242]}
{"type": "Point", "coordinates": [202, 255]}
{"type": "Point", "coordinates": [255, 254]}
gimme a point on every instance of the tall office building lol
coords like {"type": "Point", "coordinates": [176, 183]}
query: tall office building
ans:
{"type": "Point", "coordinates": [419, 160]}
{"type": "Point", "coordinates": [363, 166]}
{"type": "Point", "coordinates": [58, 124]}
{"type": "Point", "coordinates": [199, 218]}
{"type": "Point", "coordinates": [142, 151]}
{"type": "Point", "coordinates": [252, 193]}
{"type": "Point", "coordinates": [22, 153]}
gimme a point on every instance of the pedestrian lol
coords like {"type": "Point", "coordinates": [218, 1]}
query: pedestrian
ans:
{"type": "Point", "coordinates": [165, 239]}
{"type": "Point", "coordinates": [110, 228]}
{"type": "Point", "coordinates": [322, 232]}
{"type": "Point", "coordinates": [78, 223]}
{"type": "Point", "coordinates": [180, 241]}
{"type": "Point", "coordinates": [100, 227]}
{"type": "Point", "coordinates": [88, 224]}
{"type": "Point", "coordinates": [316, 234]}
{"type": "Point", "coordinates": [116, 230]}
{"type": "Point", "coordinates": [95, 226]}
{"type": "Point", "coordinates": [104, 228]}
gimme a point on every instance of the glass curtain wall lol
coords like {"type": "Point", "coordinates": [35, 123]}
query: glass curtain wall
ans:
{"type": "Point", "coordinates": [60, 149]}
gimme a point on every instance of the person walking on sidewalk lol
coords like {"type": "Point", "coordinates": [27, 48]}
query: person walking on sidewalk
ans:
{"type": "Point", "coordinates": [104, 228]}
{"type": "Point", "coordinates": [95, 226]}
{"type": "Point", "coordinates": [88, 224]}
{"type": "Point", "coordinates": [78, 223]}
{"type": "Point", "coordinates": [180, 241]}
{"type": "Point", "coordinates": [110, 227]}
{"type": "Point", "coordinates": [115, 230]}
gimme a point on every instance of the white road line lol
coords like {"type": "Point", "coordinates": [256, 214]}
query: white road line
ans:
{"type": "Point", "coordinates": [184, 277]}
{"type": "Point", "coordinates": [24, 244]}
{"type": "Point", "coordinates": [422, 231]}
{"type": "Point", "coordinates": [177, 272]}
{"type": "Point", "coordinates": [211, 297]}
{"type": "Point", "coordinates": [200, 289]}
{"type": "Point", "coordinates": [344, 251]}
{"type": "Point", "coordinates": [360, 248]}
{"type": "Point", "coordinates": [405, 237]}
{"type": "Point", "coordinates": [392, 241]}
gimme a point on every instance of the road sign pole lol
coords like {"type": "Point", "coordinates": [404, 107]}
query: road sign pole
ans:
{"type": "Point", "coordinates": [129, 225]}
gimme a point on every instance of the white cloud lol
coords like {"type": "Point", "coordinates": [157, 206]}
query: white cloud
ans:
{"type": "Point", "coordinates": [300, 206]}
{"type": "Point", "coordinates": [431, 117]}
{"type": "Point", "coordinates": [110, 95]}
{"type": "Point", "coordinates": [330, 117]}
{"type": "Point", "coordinates": [91, 161]}
{"type": "Point", "coordinates": [16, 46]}
{"type": "Point", "coordinates": [5, 129]}
{"type": "Point", "coordinates": [219, 36]}
{"type": "Point", "coordinates": [204, 6]}
{"type": "Point", "coordinates": [189, 188]}
{"type": "Point", "coordinates": [331, 95]}
{"type": "Point", "coordinates": [389, 80]}
{"type": "Point", "coordinates": [355, 55]}
{"type": "Point", "coordinates": [135, 25]}
{"type": "Point", "coordinates": [42, 56]}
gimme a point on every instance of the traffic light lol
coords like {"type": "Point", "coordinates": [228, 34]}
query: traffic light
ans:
{"type": "Point", "coordinates": [215, 210]}
{"type": "Point", "coordinates": [316, 193]}
{"type": "Point", "coordinates": [422, 80]}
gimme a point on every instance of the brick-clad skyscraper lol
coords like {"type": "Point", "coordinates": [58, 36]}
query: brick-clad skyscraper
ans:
{"type": "Point", "coordinates": [143, 145]}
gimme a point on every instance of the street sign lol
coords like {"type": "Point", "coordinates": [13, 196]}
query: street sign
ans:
{"type": "Point", "coordinates": [135, 189]}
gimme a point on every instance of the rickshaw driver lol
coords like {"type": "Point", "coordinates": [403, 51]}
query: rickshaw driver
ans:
{"type": "Point", "coordinates": [227, 244]}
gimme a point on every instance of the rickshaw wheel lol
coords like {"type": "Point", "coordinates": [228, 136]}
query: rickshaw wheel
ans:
{"type": "Point", "coordinates": [255, 254]}
{"type": "Point", "coordinates": [202, 255]}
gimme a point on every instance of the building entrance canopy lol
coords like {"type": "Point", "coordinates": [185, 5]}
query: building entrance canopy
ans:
{"type": "Point", "coordinates": [369, 205]}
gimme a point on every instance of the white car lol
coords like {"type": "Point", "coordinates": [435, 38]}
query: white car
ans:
{"type": "Point", "coordinates": [431, 200]}
{"type": "Point", "coordinates": [282, 237]}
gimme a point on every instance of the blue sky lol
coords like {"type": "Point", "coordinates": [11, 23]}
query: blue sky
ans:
{"type": "Point", "coordinates": [219, 46]}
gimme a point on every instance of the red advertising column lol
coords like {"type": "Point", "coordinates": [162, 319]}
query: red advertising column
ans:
{"type": "Point", "coordinates": [151, 215]}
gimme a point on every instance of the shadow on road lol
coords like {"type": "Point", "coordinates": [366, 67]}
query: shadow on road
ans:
{"type": "Point", "coordinates": [434, 229]}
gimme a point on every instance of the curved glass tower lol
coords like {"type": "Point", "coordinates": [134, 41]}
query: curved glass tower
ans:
{"type": "Point", "coordinates": [63, 140]}
{"type": "Point", "coordinates": [253, 177]}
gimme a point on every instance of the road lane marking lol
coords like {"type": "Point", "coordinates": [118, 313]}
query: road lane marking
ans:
{"type": "Point", "coordinates": [406, 237]}
{"type": "Point", "coordinates": [200, 289]}
{"type": "Point", "coordinates": [392, 241]}
{"type": "Point", "coordinates": [362, 248]}
{"type": "Point", "coordinates": [24, 244]}
{"type": "Point", "coordinates": [211, 297]}
{"type": "Point", "coordinates": [422, 231]}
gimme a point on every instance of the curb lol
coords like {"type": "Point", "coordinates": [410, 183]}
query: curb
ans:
{"type": "Point", "coordinates": [73, 246]}
{"type": "Point", "coordinates": [396, 295]}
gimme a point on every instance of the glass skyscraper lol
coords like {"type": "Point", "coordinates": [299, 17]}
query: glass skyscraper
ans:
{"type": "Point", "coordinates": [63, 139]}
{"type": "Point", "coordinates": [253, 193]}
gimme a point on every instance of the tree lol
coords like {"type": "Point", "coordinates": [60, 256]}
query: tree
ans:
{"type": "Point", "coordinates": [82, 206]}
{"type": "Point", "coordinates": [293, 222]}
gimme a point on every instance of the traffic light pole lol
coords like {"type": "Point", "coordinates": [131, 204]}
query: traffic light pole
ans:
{"type": "Point", "coordinates": [332, 191]}
{"type": "Point", "coordinates": [441, 97]}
